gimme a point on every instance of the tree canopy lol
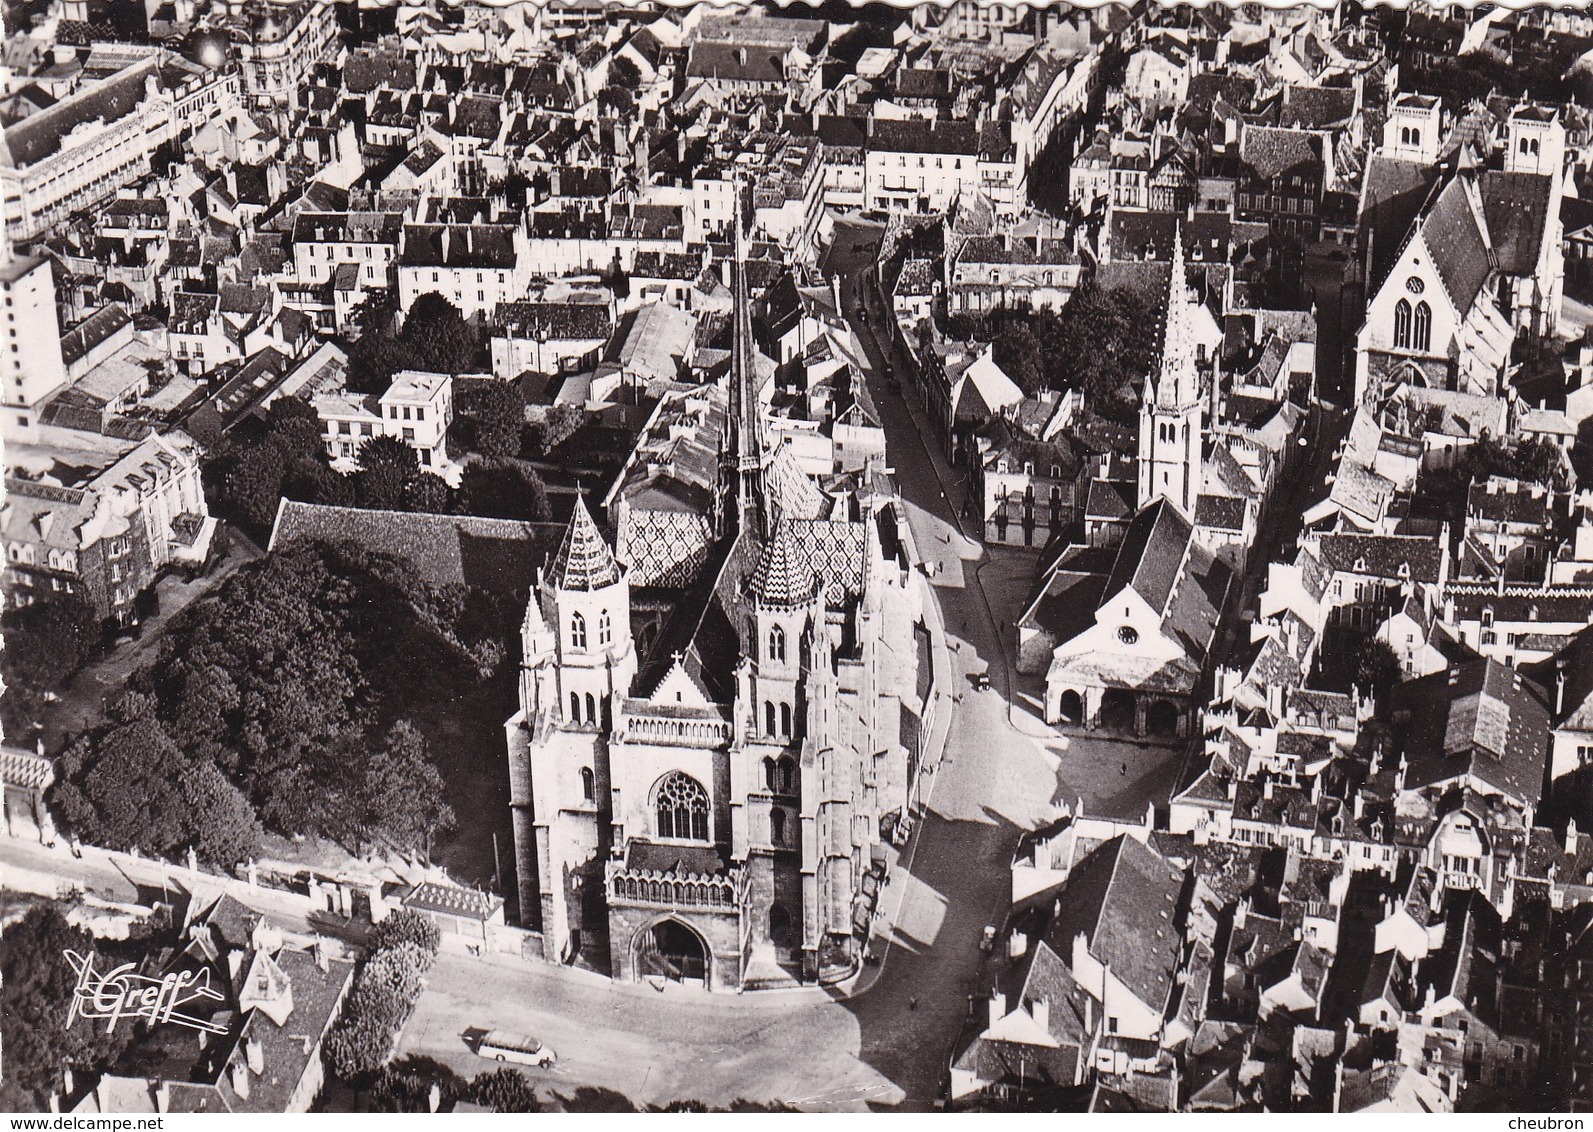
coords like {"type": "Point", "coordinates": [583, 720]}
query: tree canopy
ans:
{"type": "Point", "coordinates": [1100, 344]}
{"type": "Point", "coordinates": [498, 413]}
{"type": "Point", "coordinates": [436, 338]}
{"type": "Point", "coordinates": [285, 698]}
{"type": "Point", "coordinates": [132, 787]}
{"type": "Point", "coordinates": [37, 987]}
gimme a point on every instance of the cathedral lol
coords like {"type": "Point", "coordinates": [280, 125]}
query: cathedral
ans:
{"type": "Point", "coordinates": [720, 710]}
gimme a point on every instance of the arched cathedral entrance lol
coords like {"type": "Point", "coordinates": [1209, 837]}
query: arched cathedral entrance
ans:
{"type": "Point", "coordinates": [671, 950]}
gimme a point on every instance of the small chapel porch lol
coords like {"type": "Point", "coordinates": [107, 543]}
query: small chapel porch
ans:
{"type": "Point", "coordinates": [1152, 715]}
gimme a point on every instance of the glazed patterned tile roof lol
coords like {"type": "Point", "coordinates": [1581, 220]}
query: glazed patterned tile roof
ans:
{"type": "Point", "coordinates": [779, 580]}
{"type": "Point", "coordinates": [831, 549]}
{"type": "Point", "coordinates": [584, 560]}
{"type": "Point", "coordinates": [452, 901]}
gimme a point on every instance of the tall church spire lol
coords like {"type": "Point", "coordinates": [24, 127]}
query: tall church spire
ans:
{"type": "Point", "coordinates": [1177, 381]}
{"type": "Point", "coordinates": [745, 418]}
{"type": "Point", "coordinates": [1171, 427]}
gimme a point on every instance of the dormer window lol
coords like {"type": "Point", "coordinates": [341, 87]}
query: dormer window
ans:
{"type": "Point", "coordinates": [1487, 616]}
{"type": "Point", "coordinates": [1404, 569]}
{"type": "Point", "coordinates": [1360, 565]}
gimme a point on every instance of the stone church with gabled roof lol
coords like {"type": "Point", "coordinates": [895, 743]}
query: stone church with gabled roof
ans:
{"type": "Point", "coordinates": [711, 739]}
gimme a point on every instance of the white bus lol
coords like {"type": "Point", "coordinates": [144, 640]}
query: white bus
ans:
{"type": "Point", "coordinates": [505, 1045]}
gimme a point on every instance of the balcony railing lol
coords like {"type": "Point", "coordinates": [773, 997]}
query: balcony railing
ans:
{"type": "Point", "coordinates": [674, 732]}
{"type": "Point", "coordinates": [673, 890]}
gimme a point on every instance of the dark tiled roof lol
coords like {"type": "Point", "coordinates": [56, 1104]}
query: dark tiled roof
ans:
{"type": "Point", "coordinates": [1481, 719]}
{"type": "Point", "coordinates": [1316, 107]}
{"type": "Point", "coordinates": [1220, 512]}
{"type": "Point", "coordinates": [1271, 151]}
{"type": "Point", "coordinates": [38, 136]}
{"type": "Point", "coordinates": [916, 135]}
{"type": "Point", "coordinates": [93, 330]}
{"type": "Point", "coordinates": [1458, 246]}
{"type": "Point", "coordinates": [559, 321]}
{"type": "Point", "coordinates": [1151, 555]}
{"type": "Point", "coordinates": [1383, 555]}
{"type": "Point", "coordinates": [1123, 899]}
{"type": "Point", "coordinates": [1517, 209]}
{"type": "Point", "coordinates": [500, 555]}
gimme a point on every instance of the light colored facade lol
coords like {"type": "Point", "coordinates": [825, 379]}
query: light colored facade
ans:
{"type": "Point", "coordinates": [417, 409]}
{"type": "Point", "coordinates": [30, 359]}
{"type": "Point", "coordinates": [69, 157]}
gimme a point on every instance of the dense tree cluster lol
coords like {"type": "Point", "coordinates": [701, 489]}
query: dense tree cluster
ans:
{"type": "Point", "coordinates": [388, 985]}
{"type": "Point", "coordinates": [37, 987]}
{"type": "Point", "coordinates": [1100, 344]}
{"type": "Point", "coordinates": [435, 338]}
{"type": "Point", "coordinates": [1443, 491]}
{"type": "Point", "coordinates": [131, 787]}
{"type": "Point", "coordinates": [45, 644]}
{"type": "Point", "coordinates": [287, 695]}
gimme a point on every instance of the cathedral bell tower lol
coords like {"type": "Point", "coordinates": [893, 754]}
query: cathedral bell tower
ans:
{"type": "Point", "coordinates": [578, 650]}
{"type": "Point", "coordinates": [786, 607]}
{"type": "Point", "coordinates": [1172, 417]}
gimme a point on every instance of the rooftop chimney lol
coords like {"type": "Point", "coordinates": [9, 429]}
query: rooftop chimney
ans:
{"type": "Point", "coordinates": [1570, 838]}
{"type": "Point", "coordinates": [998, 1007]}
{"type": "Point", "coordinates": [1040, 1011]}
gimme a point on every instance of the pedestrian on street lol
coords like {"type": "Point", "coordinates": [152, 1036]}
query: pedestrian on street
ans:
{"type": "Point", "coordinates": [1124, 771]}
{"type": "Point", "coordinates": [912, 1004]}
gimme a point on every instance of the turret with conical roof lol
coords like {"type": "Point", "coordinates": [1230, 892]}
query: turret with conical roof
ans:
{"type": "Point", "coordinates": [584, 560]}
{"type": "Point", "coordinates": [582, 645]}
{"type": "Point", "coordinates": [780, 580]}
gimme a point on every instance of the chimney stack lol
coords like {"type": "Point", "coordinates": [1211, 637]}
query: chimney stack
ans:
{"type": "Point", "coordinates": [1570, 838]}
{"type": "Point", "coordinates": [998, 1007]}
{"type": "Point", "coordinates": [1040, 1011]}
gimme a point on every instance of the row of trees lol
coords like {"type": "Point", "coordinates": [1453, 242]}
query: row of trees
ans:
{"type": "Point", "coordinates": [1100, 344]}
{"type": "Point", "coordinates": [284, 702]}
{"type": "Point", "coordinates": [386, 988]}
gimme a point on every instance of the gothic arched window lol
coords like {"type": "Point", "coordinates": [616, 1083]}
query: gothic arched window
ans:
{"type": "Point", "coordinates": [769, 774]}
{"type": "Point", "coordinates": [785, 720]}
{"type": "Point", "coordinates": [575, 707]}
{"type": "Point", "coordinates": [577, 631]}
{"type": "Point", "coordinates": [591, 708]}
{"type": "Point", "coordinates": [682, 807]}
{"type": "Point", "coordinates": [782, 777]}
{"type": "Point", "coordinates": [1422, 331]}
{"type": "Point", "coordinates": [605, 628]}
{"type": "Point", "coordinates": [777, 643]}
{"type": "Point", "coordinates": [588, 784]}
{"type": "Point", "coordinates": [777, 826]}
{"type": "Point", "coordinates": [1402, 325]}
{"type": "Point", "coordinates": [768, 717]}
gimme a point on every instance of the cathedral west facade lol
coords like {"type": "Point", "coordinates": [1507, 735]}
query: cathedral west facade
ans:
{"type": "Point", "coordinates": [719, 713]}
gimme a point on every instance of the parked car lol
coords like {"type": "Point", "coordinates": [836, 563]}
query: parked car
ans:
{"type": "Point", "coordinates": [506, 1045]}
{"type": "Point", "coordinates": [982, 681]}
